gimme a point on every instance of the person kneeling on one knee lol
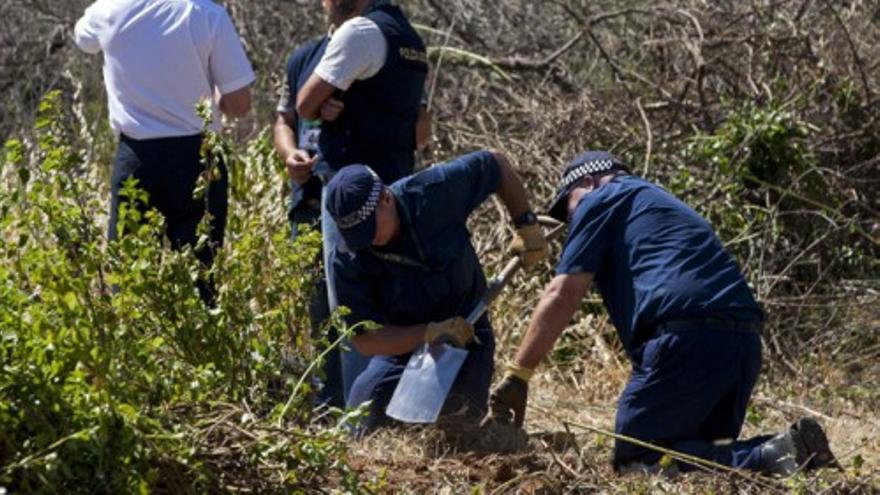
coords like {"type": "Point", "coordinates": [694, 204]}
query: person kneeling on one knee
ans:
{"type": "Point", "coordinates": [684, 313]}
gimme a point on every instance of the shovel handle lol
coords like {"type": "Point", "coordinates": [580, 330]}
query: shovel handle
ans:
{"type": "Point", "coordinates": [500, 281]}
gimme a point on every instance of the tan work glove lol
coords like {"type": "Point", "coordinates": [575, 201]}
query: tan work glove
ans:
{"type": "Point", "coordinates": [529, 244]}
{"type": "Point", "coordinates": [455, 331]}
{"type": "Point", "coordinates": [507, 404]}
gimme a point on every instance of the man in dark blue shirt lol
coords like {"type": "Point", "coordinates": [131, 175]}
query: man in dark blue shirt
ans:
{"type": "Point", "coordinates": [296, 138]}
{"type": "Point", "coordinates": [411, 269]}
{"type": "Point", "coordinates": [684, 313]}
{"type": "Point", "coordinates": [296, 141]}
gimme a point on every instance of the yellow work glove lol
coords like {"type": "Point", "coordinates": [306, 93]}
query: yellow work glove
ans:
{"type": "Point", "coordinates": [455, 331]}
{"type": "Point", "coordinates": [507, 404]}
{"type": "Point", "coordinates": [529, 244]}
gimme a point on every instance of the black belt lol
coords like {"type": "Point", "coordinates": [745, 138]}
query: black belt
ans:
{"type": "Point", "coordinates": [123, 137]}
{"type": "Point", "coordinates": [709, 324]}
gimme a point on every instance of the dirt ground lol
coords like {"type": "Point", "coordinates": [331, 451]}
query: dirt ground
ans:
{"type": "Point", "coordinates": [558, 455]}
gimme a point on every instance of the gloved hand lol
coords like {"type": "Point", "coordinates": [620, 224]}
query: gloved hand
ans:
{"type": "Point", "coordinates": [456, 331]}
{"type": "Point", "coordinates": [529, 244]}
{"type": "Point", "coordinates": [508, 399]}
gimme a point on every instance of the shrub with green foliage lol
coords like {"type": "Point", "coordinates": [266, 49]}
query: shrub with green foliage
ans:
{"type": "Point", "coordinates": [756, 146]}
{"type": "Point", "coordinates": [768, 190]}
{"type": "Point", "coordinates": [116, 377]}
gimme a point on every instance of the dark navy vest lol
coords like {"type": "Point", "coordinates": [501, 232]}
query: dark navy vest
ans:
{"type": "Point", "coordinates": [378, 126]}
{"type": "Point", "coordinates": [300, 65]}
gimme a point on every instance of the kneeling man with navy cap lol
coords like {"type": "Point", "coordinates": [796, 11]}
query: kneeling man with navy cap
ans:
{"type": "Point", "coordinates": [684, 313]}
{"type": "Point", "coordinates": [410, 267]}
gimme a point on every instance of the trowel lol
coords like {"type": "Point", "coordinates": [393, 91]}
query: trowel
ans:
{"type": "Point", "coordinates": [432, 369]}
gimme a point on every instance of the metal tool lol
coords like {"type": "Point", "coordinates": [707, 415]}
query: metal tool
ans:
{"type": "Point", "coordinates": [432, 369]}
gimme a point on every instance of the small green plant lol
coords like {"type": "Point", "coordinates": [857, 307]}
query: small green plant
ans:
{"type": "Point", "coordinates": [754, 416]}
{"type": "Point", "coordinates": [767, 192]}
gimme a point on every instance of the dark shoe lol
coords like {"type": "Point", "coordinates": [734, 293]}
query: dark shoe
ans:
{"type": "Point", "coordinates": [803, 446]}
{"type": "Point", "coordinates": [816, 443]}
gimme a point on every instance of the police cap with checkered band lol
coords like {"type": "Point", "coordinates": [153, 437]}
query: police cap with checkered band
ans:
{"type": "Point", "coordinates": [587, 163]}
{"type": "Point", "coordinates": [352, 196]}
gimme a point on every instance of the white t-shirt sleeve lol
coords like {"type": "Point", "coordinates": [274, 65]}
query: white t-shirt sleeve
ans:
{"type": "Point", "coordinates": [230, 68]}
{"type": "Point", "coordinates": [88, 29]}
{"type": "Point", "coordinates": [357, 51]}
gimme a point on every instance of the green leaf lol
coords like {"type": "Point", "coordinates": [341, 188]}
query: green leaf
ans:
{"type": "Point", "coordinates": [128, 411]}
{"type": "Point", "coordinates": [70, 301]}
{"type": "Point", "coordinates": [858, 462]}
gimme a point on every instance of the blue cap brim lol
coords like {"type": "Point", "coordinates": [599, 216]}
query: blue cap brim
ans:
{"type": "Point", "coordinates": [361, 235]}
{"type": "Point", "coordinates": [559, 206]}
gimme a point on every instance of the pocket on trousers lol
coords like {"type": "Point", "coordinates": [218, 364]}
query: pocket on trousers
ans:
{"type": "Point", "coordinates": [656, 350]}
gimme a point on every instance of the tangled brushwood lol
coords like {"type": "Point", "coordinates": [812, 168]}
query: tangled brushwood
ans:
{"type": "Point", "coordinates": [763, 115]}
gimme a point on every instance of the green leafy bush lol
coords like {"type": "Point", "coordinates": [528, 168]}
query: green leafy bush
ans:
{"type": "Point", "coordinates": [116, 377]}
{"type": "Point", "coordinates": [765, 190]}
{"type": "Point", "coordinates": [755, 146]}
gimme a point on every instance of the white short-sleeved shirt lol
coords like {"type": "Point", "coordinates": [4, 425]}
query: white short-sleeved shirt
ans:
{"type": "Point", "coordinates": [161, 57]}
{"type": "Point", "coordinates": [357, 51]}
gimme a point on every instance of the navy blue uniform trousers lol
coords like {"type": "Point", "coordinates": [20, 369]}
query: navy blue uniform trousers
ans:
{"type": "Point", "coordinates": [688, 392]}
{"type": "Point", "coordinates": [468, 396]}
{"type": "Point", "coordinates": [331, 392]}
{"type": "Point", "coordinates": [167, 169]}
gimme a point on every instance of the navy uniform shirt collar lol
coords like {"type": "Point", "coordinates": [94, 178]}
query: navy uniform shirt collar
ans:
{"type": "Point", "coordinates": [376, 5]}
{"type": "Point", "coordinates": [601, 188]}
{"type": "Point", "coordinates": [407, 249]}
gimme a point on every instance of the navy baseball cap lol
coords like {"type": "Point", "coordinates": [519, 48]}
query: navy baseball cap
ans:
{"type": "Point", "coordinates": [352, 196]}
{"type": "Point", "coordinates": [587, 163]}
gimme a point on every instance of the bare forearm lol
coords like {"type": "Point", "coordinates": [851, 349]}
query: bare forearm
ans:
{"type": "Point", "coordinates": [237, 103]}
{"type": "Point", "coordinates": [390, 340]}
{"type": "Point", "coordinates": [557, 306]}
{"type": "Point", "coordinates": [310, 98]}
{"type": "Point", "coordinates": [309, 110]}
{"type": "Point", "coordinates": [284, 136]}
{"type": "Point", "coordinates": [511, 191]}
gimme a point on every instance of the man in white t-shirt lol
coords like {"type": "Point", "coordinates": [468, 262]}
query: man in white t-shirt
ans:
{"type": "Point", "coordinates": [296, 141]}
{"type": "Point", "coordinates": [161, 58]}
{"type": "Point", "coordinates": [367, 89]}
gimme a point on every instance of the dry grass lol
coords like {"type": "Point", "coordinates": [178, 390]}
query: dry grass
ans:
{"type": "Point", "coordinates": [555, 456]}
{"type": "Point", "coordinates": [558, 457]}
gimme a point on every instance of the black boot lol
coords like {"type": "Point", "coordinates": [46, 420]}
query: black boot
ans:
{"type": "Point", "coordinates": [803, 446]}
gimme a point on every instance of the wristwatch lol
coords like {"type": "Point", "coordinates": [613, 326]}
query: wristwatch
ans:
{"type": "Point", "coordinates": [527, 218]}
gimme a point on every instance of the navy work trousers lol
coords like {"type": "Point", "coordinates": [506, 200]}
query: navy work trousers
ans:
{"type": "Point", "coordinates": [167, 169]}
{"type": "Point", "coordinates": [352, 362]}
{"type": "Point", "coordinates": [688, 392]}
{"type": "Point", "coordinates": [319, 310]}
{"type": "Point", "coordinates": [468, 396]}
